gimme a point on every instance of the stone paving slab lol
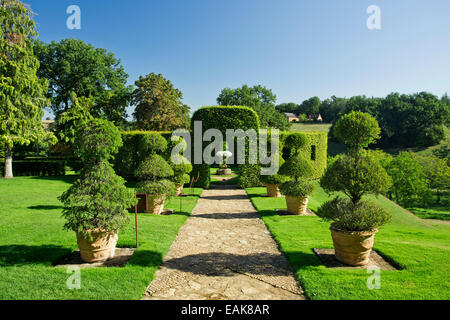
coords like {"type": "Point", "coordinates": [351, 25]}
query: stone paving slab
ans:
{"type": "Point", "coordinates": [224, 251]}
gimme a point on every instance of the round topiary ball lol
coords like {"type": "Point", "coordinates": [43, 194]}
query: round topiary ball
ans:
{"type": "Point", "coordinates": [296, 141]}
{"type": "Point", "coordinates": [156, 188]}
{"type": "Point", "coordinates": [297, 167]}
{"type": "Point", "coordinates": [97, 140]}
{"type": "Point", "coordinates": [357, 129]}
{"type": "Point", "coordinates": [152, 143]}
{"type": "Point", "coordinates": [154, 167]}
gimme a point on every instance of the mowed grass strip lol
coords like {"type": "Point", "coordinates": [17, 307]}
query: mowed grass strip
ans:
{"type": "Point", "coordinates": [421, 248]}
{"type": "Point", "coordinates": [32, 239]}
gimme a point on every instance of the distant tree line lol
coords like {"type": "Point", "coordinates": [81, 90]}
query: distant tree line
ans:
{"type": "Point", "coordinates": [406, 120]}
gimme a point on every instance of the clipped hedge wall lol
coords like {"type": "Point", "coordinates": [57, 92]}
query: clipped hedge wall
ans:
{"type": "Point", "coordinates": [315, 150]}
{"type": "Point", "coordinates": [37, 167]}
{"type": "Point", "coordinates": [223, 118]}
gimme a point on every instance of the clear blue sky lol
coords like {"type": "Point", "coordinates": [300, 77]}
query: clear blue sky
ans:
{"type": "Point", "coordinates": [298, 48]}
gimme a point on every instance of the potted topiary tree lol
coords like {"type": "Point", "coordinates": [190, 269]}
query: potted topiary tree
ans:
{"type": "Point", "coordinates": [299, 170]}
{"type": "Point", "coordinates": [154, 172]}
{"type": "Point", "coordinates": [355, 220]}
{"type": "Point", "coordinates": [181, 166]}
{"type": "Point", "coordinates": [274, 181]}
{"type": "Point", "coordinates": [95, 206]}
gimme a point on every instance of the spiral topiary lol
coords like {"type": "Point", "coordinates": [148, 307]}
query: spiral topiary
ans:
{"type": "Point", "coordinates": [98, 199]}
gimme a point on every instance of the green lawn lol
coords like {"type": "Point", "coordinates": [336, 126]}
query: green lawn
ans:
{"type": "Point", "coordinates": [32, 239]}
{"type": "Point", "coordinates": [420, 247]}
{"type": "Point", "coordinates": [435, 210]}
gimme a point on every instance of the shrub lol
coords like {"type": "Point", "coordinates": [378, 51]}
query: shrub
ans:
{"type": "Point", "coordinates": [97, 140]}
{"type": "Point", "coordinates": [99, 198]}
{"type": "Point", "coordinates": [410, 185]}
{"type": "Point", "coordinates": [156, 188]}
{"type": "Point", "coordinates": [249, 176]}
{"type": "Point", "coordinates": [357, 129]}
{"type": "Point", "coordinates": [180, 165]}
{"type": "Point", "coordinates": [296, 141]}
{"type": "Point", "coordinates": [297, 167]}
{"type": "Point", "coordinates": [40, 167]}
{"type": "Point", "coordinates": [297, 188]}
{"type": "Point", "coordinates": [314, 150]}
{"type": "Point", "coordinates": [347, 216]}
{"type": "Point", "coordinates": [154, 170]}
{"type": "Point", "coordinates": [274, 179]}
{"type": "Point", "coordinates": [356, 176]}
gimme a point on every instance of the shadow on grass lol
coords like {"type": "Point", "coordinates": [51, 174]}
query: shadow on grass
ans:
{"type": "Point", "coordinates": [17, 255]}
{"type": "Point", "coordinates": [145, 258]}
{"type": "Point", "coordinates": [301, 260]}
{"type": "Point", "coordinates": [67, 179]}
{"type": "Point", "coordinates": [45, 207]}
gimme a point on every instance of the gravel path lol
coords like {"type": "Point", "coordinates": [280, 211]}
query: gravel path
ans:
{"type": "Point", "coordinates": [224, 251]}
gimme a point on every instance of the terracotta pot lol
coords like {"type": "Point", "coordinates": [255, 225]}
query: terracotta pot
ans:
{"type": "Point", "coordinates": [155, 204]}
{"type": "Point", "coordinates": [273, 190]}
{"type": "Point", "coordinates": [296, 205]}
{"type": "Point", "coordinates": [101, 248]}
{"type": "Point", "coordinates": [353, 247]}
{"type": "Point", "coordinates": [178, 191]}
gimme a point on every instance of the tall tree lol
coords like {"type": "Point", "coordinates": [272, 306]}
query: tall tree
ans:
{"type": "Point", "coordinates": [72, 65]}
{"type": "Point", "coordinates": [310, 106]}
{"type": "Point", "coordinates": [159, 104]}
{"type": "Point", "coordinates": [260, 99]}
{"type": "Point", "coordinates": [22, 94]}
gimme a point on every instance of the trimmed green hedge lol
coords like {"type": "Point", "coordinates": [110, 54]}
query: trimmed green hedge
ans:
{"type": "Point", "coordinates": [37, 167]}
{"type": "Point", "coordinates": [223, 118]}
{"type": "Point", "coordinates": [315, 150]}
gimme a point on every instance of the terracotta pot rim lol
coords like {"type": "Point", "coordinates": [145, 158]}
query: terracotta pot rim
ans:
{"type": "Point", "coordinates": [97, 231]}
{"type": "Point", "coordinates": [359, 233]}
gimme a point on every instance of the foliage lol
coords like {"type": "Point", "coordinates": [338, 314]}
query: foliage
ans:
{"type": "Point", "coordinates": [181, 166]}
{"type": "Point", "coordinates": [356, 176]}
{"type": "Point", "coordinates": [223, 118]}
{"type": "Point", "coordinates": [201, 174]}
{"type": "Point", "coordinates": [39, 167]}
{"type": "Point", "coordinates": [274, 179]}
{"type": "Point", "coordinates": [97, 140]}
{"type": "Point", "coordinates": [297, 188]}
{"type": "Point", "coordinates": [296, 141]}
{"type": "Point", "coordinates": [443, 152]}
{"type": "Point", "coordinates": [22, 93]}
{"type": "Point", "coordinates": [153, 168]}
{"type": "Point", "coordinates": [153, 171]}
{"type": "Point", "coordinates": [309, 107]}
{"type": "Point", "coordinates": [69, 122]}
{"type": "Point", "coordinates": [357, 129]}
{"type": "Point", "coordinates": [414, 120]}
{"type": "Point", "coordinates": [97, 200]}
{"type": "Point", "coordinates": [72, 65]}
{"type": "Point", "coordinates": [260, 99]}
{"type": "Point", "coordinates": [156, 188]}
{"type": "Point", "coordinates": [297, 167]}
{"type": "Point", "coordinates": [136, 148]}
{"type": "Point", "coordinates": [315, 150]}
{"type": "Point", "coordinates": [409, 180]}
{"type": "Point", "coordinates": [158, 104]}
{"type": "Point", "coordinates": [348, 216]}
{"type": "Point", "coordinates": [437, 172]}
